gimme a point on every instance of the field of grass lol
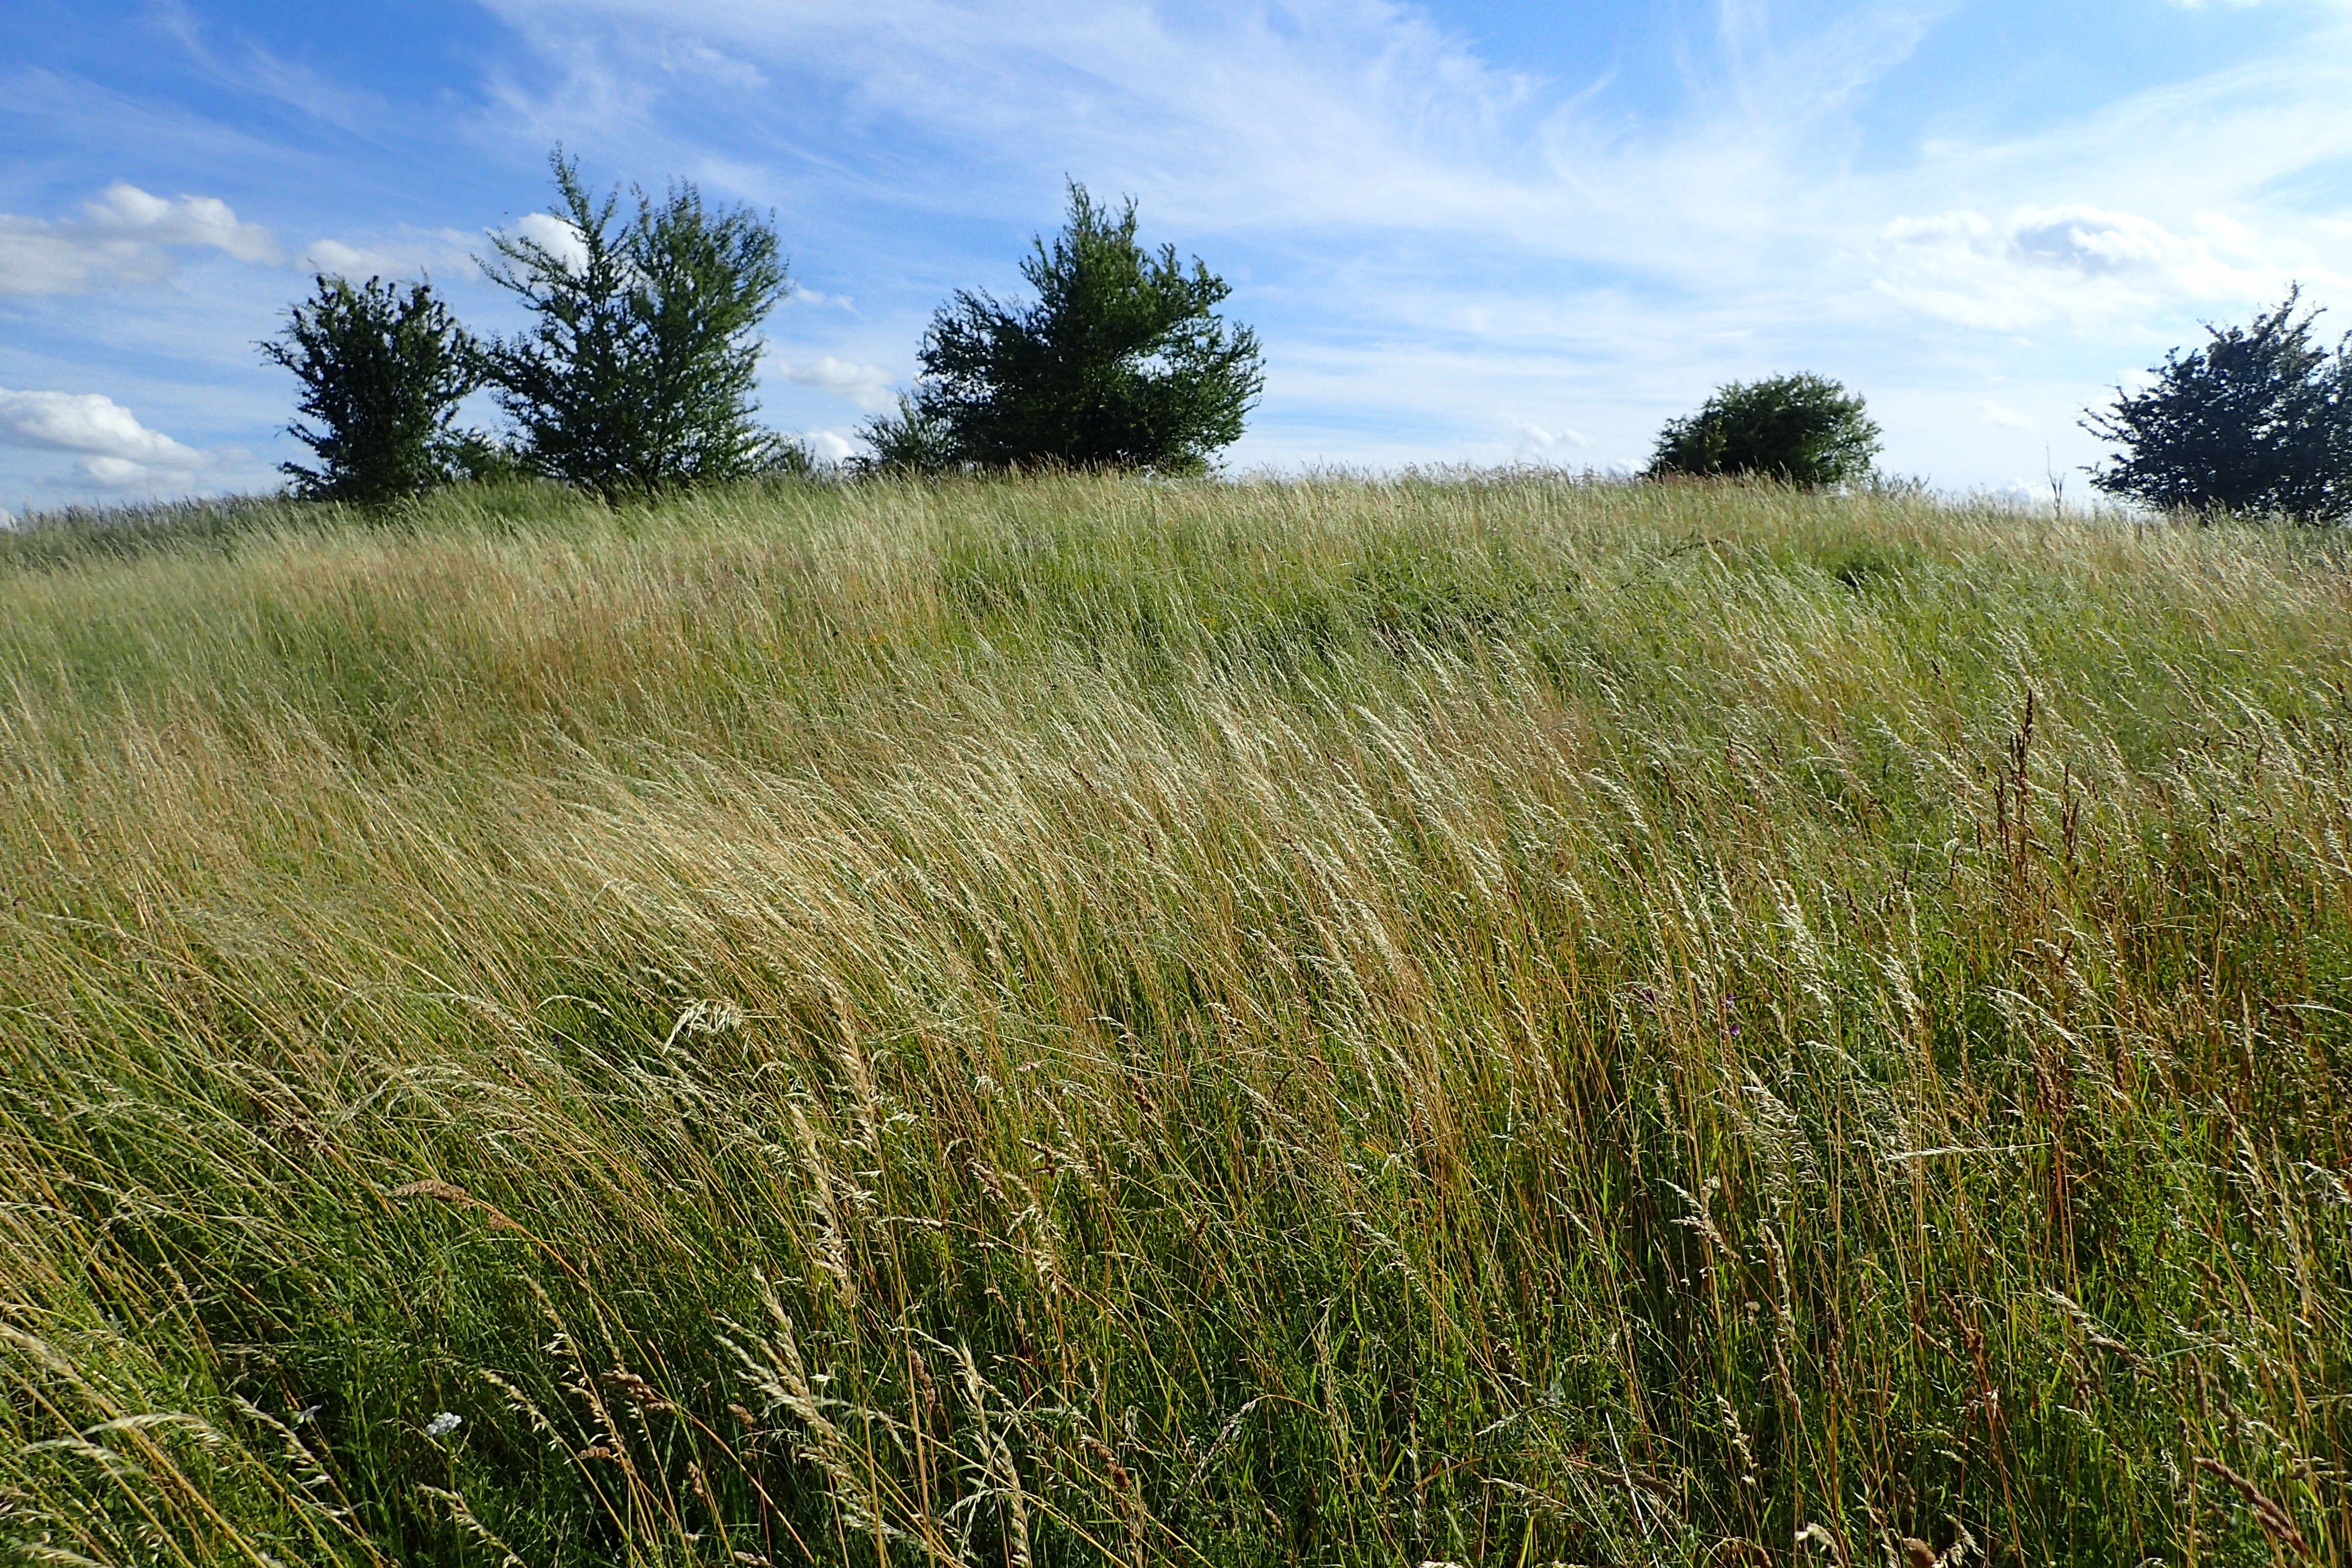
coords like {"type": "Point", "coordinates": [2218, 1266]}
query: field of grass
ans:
{"type": "Point", "coordinates": [1085, 1021]}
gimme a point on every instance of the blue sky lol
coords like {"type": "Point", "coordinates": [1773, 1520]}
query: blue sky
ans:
{"type": "Point", "coordinates": [1466, 233]}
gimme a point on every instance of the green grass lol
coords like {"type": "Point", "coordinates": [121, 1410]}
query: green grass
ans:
{"type": "Point", "coordinates": [1091, 1021]}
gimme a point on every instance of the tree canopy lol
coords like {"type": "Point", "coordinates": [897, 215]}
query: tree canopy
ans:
{"type": "Point", "coordinates": [1119, 362]}
{"type": "Point", "coordinates": [635, 377]}
{"type": "Point", "coordinates": [383, 372]}
{"type": "Point", "coordinates": [2257, 419]}
{"type": "Point", "coordinates": [1803, 430]}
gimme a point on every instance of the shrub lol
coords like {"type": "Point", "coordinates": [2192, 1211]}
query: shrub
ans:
{"type": "Point", "coordinates": [790, 458]}
{"type": "Point", "coordinates": [908, 441]}
{"type": "Point", "coordinates": [1803, 430]}
{"type": "Point", "coordinates": [2257, 420]}
{"type": "Point", "coordinates": [636, 376]}
{"type": "Point", "coordinates": [383, 372]}
{"type": "Point", "coordinates": [1120, 362]}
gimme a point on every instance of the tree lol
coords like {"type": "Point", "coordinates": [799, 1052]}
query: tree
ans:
{"type": "Point", "coordinates": [908, 441]}
{"type": "Point", "coordinates": [635, 377]}
{"type": "Point", "coordinates": [1803, 430]}
{"type": "Point", "coordinates": [2259, 419]}
{"type": "Point", "coordinates": [383, 372]}
{"type": "Point", "coordinates": [1120, 362]}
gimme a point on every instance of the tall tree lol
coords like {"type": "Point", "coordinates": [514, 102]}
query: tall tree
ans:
{"type": "Point", "coordinates": [1121, 362]}
{"type": "Point", "coordinates": [635, 376]}
{"type": "Point", "coordinates": [2259, 419]}
{"type": "Point", "coordinates": [383, 372]}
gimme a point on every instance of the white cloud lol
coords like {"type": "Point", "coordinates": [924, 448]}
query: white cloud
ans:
{"type": "Point", "coordinates": [334, 256]}
{"type": "Point", "coordinates": [2006, 418]}
{"type": "Point", "coordinates": [867, 386]}
{"type": "Point", "coordinates": [2042, 263]}
{"type": "Point", "coordinates": [1437, 247]}
{"type": "Point", "coordinates": [1538, 443]}
{"type": "Point", "coordinates": [1434, 245]}
{"type": "Point", "coordinates": [406, 254]}
{"type": "Point", "coordinates": [694, 59]}
{"type": "Point", "coordinates": [112, 448]}
{"type": "Point", "coordinates": [84, 422]}
{"type": "Point", "coordinates": [2107, 245]}
{"type": "Point", "coordinates": [125, 234]}
{"type": "Point", "coordinates": [830, 446]}
{"type": "Point", "coordinates": [555, 236]}
{"type": "Point", "coordinates": [119, 473]}
{"type": "Point", "coordinates": [125, 209]}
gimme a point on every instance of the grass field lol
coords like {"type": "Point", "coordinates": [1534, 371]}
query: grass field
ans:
{"type": "Point", "coordinates": [1073, 1021]}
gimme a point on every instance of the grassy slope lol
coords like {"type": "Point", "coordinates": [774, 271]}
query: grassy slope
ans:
{"type": "Point", "coordinates": [1087, 1021]}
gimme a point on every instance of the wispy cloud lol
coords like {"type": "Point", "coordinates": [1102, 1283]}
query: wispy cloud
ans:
{"type": "Point", "coordinates": [1451, 249]}
{"type": "Point", "coordinates": [444, 253]}
{"type": "Point", "coordinates": [1393, 195]}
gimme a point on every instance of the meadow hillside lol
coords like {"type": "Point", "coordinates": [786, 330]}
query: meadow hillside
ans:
{"type": "Point", "coordinates": [1091, 1021]}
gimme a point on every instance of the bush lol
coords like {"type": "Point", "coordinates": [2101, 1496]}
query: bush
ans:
{"type": "Point", "coordinates": [908, 441]}
{"type": "Point", "coordinates": [1803, 430]}
{"type": "Point", "coordinates": [637, 377]}
{"type": "Point", "coordinates": [790, 458]}
{"type": "Point", "coordinates": [1120, 362]}
{"type": "Point", "coordinates": [383, 372]}
{"type": "Point", "coordinates": [2258, 420]}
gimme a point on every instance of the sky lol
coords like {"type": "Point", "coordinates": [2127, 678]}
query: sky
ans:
{"type": "Point", "coordinates": [1466, 233]}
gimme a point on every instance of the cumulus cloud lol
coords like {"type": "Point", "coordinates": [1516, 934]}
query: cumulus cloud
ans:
{"type": "Point", "coordinates": [84, 422]}
{"type": "Point", "coordinates": [2044, 262]}
{"type": "Point", "coordinates": [2114, 244]}
{"type": "Point", "coordinates": [125, 209]}
{"type": "Point", "coordinates": [112, 448]}
{"type": "Point", "coordinates": [124, 235]}
{"type": "Point", "coordinates": [867, 386]}
{"type": "Point", "coordinates": [829, 446]}
{"type": "Point", "coordinates": [555, 236]}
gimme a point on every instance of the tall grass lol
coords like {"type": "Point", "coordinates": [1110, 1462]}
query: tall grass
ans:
{"type": "Point", "coordinates": [1088, 1021]}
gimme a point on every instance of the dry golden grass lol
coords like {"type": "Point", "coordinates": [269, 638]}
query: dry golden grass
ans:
{"type": "Point", "coordinates": [1473, 1021]}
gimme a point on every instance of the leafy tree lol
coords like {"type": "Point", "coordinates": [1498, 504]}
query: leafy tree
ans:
{"type": "Point", "coordinates": [789, 457]}
{"type": "Point", "coordinates": [911, 440]}
{"type": "Point", "coordinates": [1803, 430]}
{"type": "Point", "coordinates": [2257, 420]}
{"type": "Point", "coordinates": [635, 377]}
{"type": "Point", "coordinates": [1121, 361]}
{"type": "Point", "coordinates": [383, 372]}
